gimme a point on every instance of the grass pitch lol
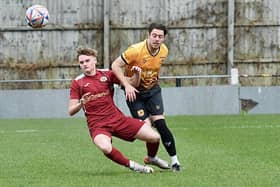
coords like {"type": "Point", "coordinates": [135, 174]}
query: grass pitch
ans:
{"type": "Point", "coordinates": [238, 150]}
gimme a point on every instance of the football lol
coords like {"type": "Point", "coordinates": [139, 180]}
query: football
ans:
{"type": "Point", "coordinates": [37, 16]}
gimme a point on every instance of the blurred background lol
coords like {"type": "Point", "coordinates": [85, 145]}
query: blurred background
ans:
{"type": "Point", "coordinates": [210, 43]}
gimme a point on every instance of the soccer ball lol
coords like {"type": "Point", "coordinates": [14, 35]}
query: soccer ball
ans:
{"type": "Point", "coordinates": [37, 16]}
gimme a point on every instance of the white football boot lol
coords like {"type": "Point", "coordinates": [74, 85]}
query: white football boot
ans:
{"type": "Point", "coordinates": [157, 162]}
{"type": "Point", "coordinates": [140, 168]}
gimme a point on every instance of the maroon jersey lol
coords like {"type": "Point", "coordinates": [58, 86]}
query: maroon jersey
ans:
{"type": "Point", "coordinates": [101, 110]}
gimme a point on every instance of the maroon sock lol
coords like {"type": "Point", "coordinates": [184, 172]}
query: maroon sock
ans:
{"type": "Point", "coordinates": [118, 157]}
{"type": "Point", "coordinates": [152, 148]}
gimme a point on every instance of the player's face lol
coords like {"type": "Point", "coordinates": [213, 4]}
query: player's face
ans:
{"type": "Point", "coordinates": [156, 37]}
{"type": "Point", "coordinates": [88, 64]}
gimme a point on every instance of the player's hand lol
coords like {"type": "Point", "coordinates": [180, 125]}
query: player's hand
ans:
{"type": "Point", "coordinates": [130, 93]}
{"type": "Point", "coordinates": [136, 69]}
{"type": "Point", "coordinates": [86, 98]}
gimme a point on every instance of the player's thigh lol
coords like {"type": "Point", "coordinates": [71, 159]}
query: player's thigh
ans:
{"type": "Point", "coordinates": [146, 133]}
{"type": "Point", "coordinates": [148, 121]}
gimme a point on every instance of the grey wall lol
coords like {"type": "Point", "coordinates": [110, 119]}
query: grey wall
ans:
{"type": "Point", "coordinates": [201, 100]}
{"type": "Point", "coordinates": [33, 103]}
{"type": "Point", "coordinates": [177, 101]}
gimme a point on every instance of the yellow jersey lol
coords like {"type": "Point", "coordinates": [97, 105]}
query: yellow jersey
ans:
{"type": "Point", "coordinates": [139, 55]}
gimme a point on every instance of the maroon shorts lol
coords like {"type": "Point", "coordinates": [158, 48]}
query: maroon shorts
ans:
{"type": "Point", "coordinates": [125, 128]}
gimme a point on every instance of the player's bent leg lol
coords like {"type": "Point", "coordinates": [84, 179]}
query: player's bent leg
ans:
{"type": "Point", "coordinates": [103, 142]}
{"type": "Point", "coordinates": [146, 133]}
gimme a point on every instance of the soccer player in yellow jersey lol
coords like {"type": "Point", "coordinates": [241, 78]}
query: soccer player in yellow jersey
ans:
{"type": "Point", "coordinates": [145, 100]}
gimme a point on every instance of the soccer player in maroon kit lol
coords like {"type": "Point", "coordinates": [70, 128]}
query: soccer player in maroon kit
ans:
{"type": "Point", "coordinates": [92, 91]}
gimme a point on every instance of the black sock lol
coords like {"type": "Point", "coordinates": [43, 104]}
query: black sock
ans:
{"type": "Point", "coordinates": [166, 136]}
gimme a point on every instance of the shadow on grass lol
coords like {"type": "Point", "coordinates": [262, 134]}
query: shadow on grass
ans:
{"type": "Point", "coordinates": [100, 173]}
{"type": "Point", "coordinates": [110, 173]}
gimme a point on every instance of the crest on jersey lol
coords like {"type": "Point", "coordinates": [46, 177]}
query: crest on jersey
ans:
{"type": "Point", "coordinates": [103, 79]}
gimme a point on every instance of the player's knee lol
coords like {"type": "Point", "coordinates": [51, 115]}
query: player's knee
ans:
{"type": "Point", "coordinates": [155, 137]}
{"type": "Point", "coordinates": [106, 149]}
{"type": "Point", "coordinates": [163, 130]}
{"type": "Point", "coordinates": [103, 143]}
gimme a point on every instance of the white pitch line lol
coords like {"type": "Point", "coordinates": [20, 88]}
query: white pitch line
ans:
{"type": "Point", "coordinates": [253, 127]}
{"type": "Point", "coordinates": [236, 127]}
{"type": "Point", "coordinates": [19, 131]}
{"type": "Point", "coordinates": [27, 131]}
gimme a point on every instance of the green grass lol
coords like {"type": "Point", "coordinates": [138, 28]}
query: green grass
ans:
{"type": "Point", "coordinates": [237, 150]}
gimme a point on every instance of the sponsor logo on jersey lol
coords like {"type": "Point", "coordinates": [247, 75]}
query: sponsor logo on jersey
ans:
{"type": "Point", "coordinates": [98, 95]}
{"type": "Point", "coordinates": [87, 84]}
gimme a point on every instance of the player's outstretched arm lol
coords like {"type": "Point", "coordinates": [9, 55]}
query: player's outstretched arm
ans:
{"type": "Point", "coordinates": [117, 66]}
{"type": "Point", "coordinates": [75, 105]}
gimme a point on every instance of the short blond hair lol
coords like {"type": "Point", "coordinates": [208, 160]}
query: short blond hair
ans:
{"type": "Point", "coordinates": [86, 51]}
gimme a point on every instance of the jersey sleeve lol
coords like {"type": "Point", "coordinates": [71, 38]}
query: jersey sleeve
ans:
{"type": "Point", "coordinates": [75, 90]}
{"type": "Point", "coordinates": [129, 55]}
{"type": "Point", "coordinates": [165, 48]}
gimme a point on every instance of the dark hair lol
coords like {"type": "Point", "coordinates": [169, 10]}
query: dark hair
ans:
{"type": "Point", "coordinates": [158, 26]}
{"type": "Point", "coordinates": [86, 51]}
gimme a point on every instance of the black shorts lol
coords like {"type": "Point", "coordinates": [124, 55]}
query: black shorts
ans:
{"type": "Point", "coordinates": [148, 102]}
